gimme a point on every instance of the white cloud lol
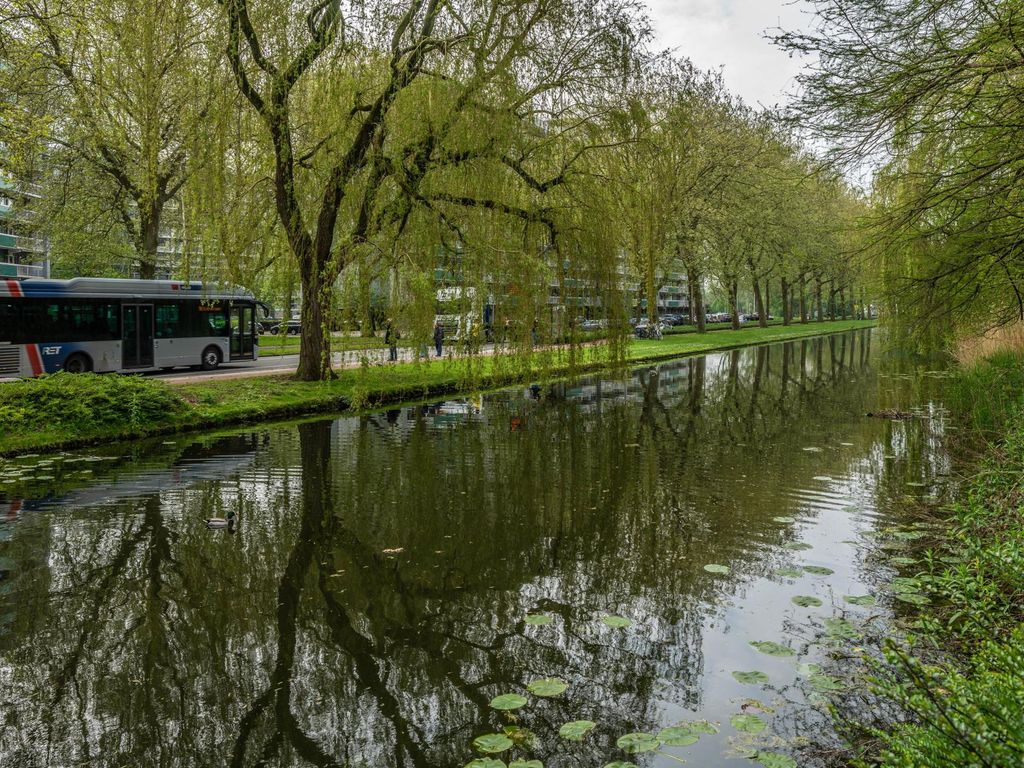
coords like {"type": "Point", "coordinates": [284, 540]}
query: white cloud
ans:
{"type": "Point", "coordinates": [730, 34]}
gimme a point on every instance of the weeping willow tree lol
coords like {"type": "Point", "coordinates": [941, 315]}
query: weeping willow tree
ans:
{"type": "Point", "coordinates": [389, 122]}
{"type": "Point", "coordinates": [930, 92]}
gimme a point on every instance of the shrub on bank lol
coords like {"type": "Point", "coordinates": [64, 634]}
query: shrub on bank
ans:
{"type": "Point", "coordinates": [86, 403]}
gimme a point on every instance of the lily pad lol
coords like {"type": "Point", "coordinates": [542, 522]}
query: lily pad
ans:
{"type": "Point", "coordinates": [716, 568]}
{"type": "Point", "coordinates": [859, 599]}
{"type": "Point", "coordinates": [634, 743]}
{"type": "Point", "coordinates": [825, 683]}
{"type": "Point", "coordinates": [508, 701]}
{"type": "Point", "coordinates": [547, 686]}
{"type": "Point", "coordinates": [775, 760]}
{"type": "Point", "coordinates": [797, 546]}
{"type": "Point", "coordinates": [485, 762]}
{"type": "Point", "coordinates": [492, 743]}
{"type": "Point", "coordinates": [538, 619]}
{"type": "Point", "coordinates": [748, 723]}
{"type": "Point", "coordinates": [521, 737]}
{"type": "Point", "coordinates": [818, 570]}
{"type": "Point", "coordinates": [772, 648]}
{"type": "Point", "coordinates": [700, 726]}
{"type": "Point", "coordinates": [576, 730]}
{"type": "Point", "coordinates": [526, 764]}
{"type": "Point", "coordinates": [784, 519]}
{"type": "Point", "coordinates": [789, 573]}
{"type": "Point", "coordinates": [678, 736]}
{"type": "Point", "coordinates": [840, 628]}
{"type": "Point", "coordinates": [751, 678]}
{"type": "Point", "coordinates": [806, 601]}
{"type": "Point", "coordinates": [616, 622]}
{"type": "Point", "coordinates": [808, 669]}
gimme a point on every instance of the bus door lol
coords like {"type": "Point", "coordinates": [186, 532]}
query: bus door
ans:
{"type": "Point", "coordinates": [137, 336]}
{"type": "Point", "coordinates": [243, 318]}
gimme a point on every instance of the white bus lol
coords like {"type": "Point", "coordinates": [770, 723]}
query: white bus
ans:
{"type": "Point", "coordinates": [98, 324]}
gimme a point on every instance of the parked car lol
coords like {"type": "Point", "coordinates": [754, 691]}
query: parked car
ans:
{"type": "Point", "coordinates": [593, 325]}
{"type": "Point", "coordinates": [644, 330]}
{"type": "Point", "coordinates": [289, 327]}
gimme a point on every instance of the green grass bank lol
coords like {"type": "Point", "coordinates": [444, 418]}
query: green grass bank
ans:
{"type": "Point", "coordinates": [956, 679]}
{"type": "Point", "coordinates": [64, 411]}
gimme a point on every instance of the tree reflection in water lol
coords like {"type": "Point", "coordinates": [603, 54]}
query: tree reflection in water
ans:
{"type": "Point", "coordinates": [371, 602]}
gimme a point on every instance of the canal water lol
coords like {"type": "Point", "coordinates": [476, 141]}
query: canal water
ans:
{"type": "Point", "coordinates": [623, 540]}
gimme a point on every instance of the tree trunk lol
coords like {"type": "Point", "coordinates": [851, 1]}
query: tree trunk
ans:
{"type": "Point", "coordinates": [314, 349]}
{"type": "Point", "coordinates": [803, 299]}
{"type": "Point", "coordinates": [734, 289]}
{"type": "Point", "coordinates": [842, 302]}
{"type": "Point", "coordinates": [697, 305]}
{"type": "Point", "coordinates": [817, 300]}
{"type": "Point", "coordinates": [767, 303]}
{"type": "Point", "coordinates": [786, 308]}
{"type": "Point", "coordinates": [651, 289]}
{"type": "Point", "coordinates": [149, 230]}
{"type": "Point", "coordinates": [762, 318]}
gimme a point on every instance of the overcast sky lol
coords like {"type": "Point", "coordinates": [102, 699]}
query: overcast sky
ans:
{"type": "Point", "coordinates": [731, 34]}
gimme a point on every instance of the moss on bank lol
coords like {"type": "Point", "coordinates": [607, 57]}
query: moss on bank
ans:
{"type": "Point", "coordinates": [65, 410]}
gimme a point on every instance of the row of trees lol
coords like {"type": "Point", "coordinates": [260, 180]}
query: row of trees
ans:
{"type": "Point", "coordinates": [299, 146]}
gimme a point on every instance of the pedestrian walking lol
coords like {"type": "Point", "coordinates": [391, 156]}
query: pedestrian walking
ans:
{"type": "Point", "coordinates": [438, 338]}
{"type": "Point", "coordinates": [391, 339]}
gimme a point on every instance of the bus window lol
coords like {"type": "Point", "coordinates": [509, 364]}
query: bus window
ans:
{"type": "Point", "coordinates": [8, 313]}
{"type": "Point", "coordinates": [168, 321]}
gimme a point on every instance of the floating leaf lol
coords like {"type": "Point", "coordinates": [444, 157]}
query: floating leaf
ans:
{"type": "Point", "coordinates": [538, 619]}
{"type": "Point", "coordinates": [522, 737]}
{"type": "Point", "coordinates": [797, 546]}
{"type": "Point", "coordinates": [914, 598]}
{"type": "Point", "coordinates": [492, 743]}
{"type": "Point", "coordinates": [485, 762]}
{"type": "Point", "coordinates": [576, 730]}
{"type": "Point", "coordinates": [900, 560]}
{"type": "Point", "coordinates": [808, 669]}
{"type": "Point", "coordinates": [824, 683]}
{"type": "Point", "coordinates": [616, 622]}
{"type": "Point", "coordinates": [508, 701]}
{"type": "Point", "coordinates": [859, 599]}
{"type": "Point", "coordinates": [751, 678]}
{"type": "Point", "coordinates": [699, 726]}
{"type": "Point", "coordinates": [806, 601]}
{"type": "Point", "coordinates": [634, 743]}
{"type": "Point", "coordinates": [784, 519]}
{"type": "Point", "coordinates": [678, 736]}
{"type": "Point", "coordinates": [840, 628]}
{"type": "Point", "coordinates": [747, 723]}
{"type": "Point", "coordinates": [789, 573]}
{"type": "Point", "coordinates": [773, 649]}
{"type": "Point", "coordinates": [547, 686]}
{"type": "Point", "coordinates": [716, 568]}
{"type": "Point", "coordinates": [818, 570]}
{"type": "Point", "coordinates": [520, 763]}
{"type": "Point", "coordinates": [775, 760]}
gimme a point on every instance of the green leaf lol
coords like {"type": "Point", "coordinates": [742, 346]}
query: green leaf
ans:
{"type": "Point", "coordinates": [747, 723]}
{"type": "Point", "coordinates": [818, 570]}
{"type": "Point", "coordinates": [773, 649]}
{"type": "Point", "coordinates": [716, 568]}
{"type": "Point", "coordinates": [775, 760]}
{"type": "Point", "coordinates": [808, 669]}
{"type": "Point", "coordinates": [841, 628]}
{"type": "Point", "coordinates": [797, 546]}
{"type": "Point", "coordinates": [634, 743]}
{"type": "Point", "coordinates": [860, 599]}
{"type": "Point", "coordinates": [616, 622]}
{"type": "Point", "coordinates": [914, 598]}
{"type": "Point", "coordinates": [903, 560]}
{"type": "Point", "coordinates": [538, 619]}
{"type": "Point", "coordinates": [520, 763]}
{"type": "Point", "coordinates": [522, 737]}
{"type": "Point", "coordinates": [678, 736]}
{"type": "Point", "coordinates": [508, 701]}
{"type": "Point", "coordinates": [485, 762]}
{"type": "Point", "coordinates": [806, 601]}
{"type": "Point", "coordinates": [492, 743]}
{"type": "Point", "coordinates": [547, 686]}
{"type": "Point", "coordinates": [789, 573]}
{"type": "Point", "coordinates": [576, 730]}
{"type": "Point", "coordinates": [784, 519]}
{"type": "Point", "coordinates": [751, 678]}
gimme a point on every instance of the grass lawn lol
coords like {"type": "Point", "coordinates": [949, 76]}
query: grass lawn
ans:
{"type": "Point", "coordinates": [66, 410]}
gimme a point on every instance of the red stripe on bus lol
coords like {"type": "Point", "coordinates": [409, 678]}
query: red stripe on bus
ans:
{"type": "Point", "coordinates": [14, 288]}
{"type": "Point", "coordinates": [34, 360]}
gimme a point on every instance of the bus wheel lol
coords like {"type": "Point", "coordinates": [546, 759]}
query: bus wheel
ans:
{"type": "Point", "coordinates": [77, 363]}
{"type": "Point", "coordinates": [210, 359]}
